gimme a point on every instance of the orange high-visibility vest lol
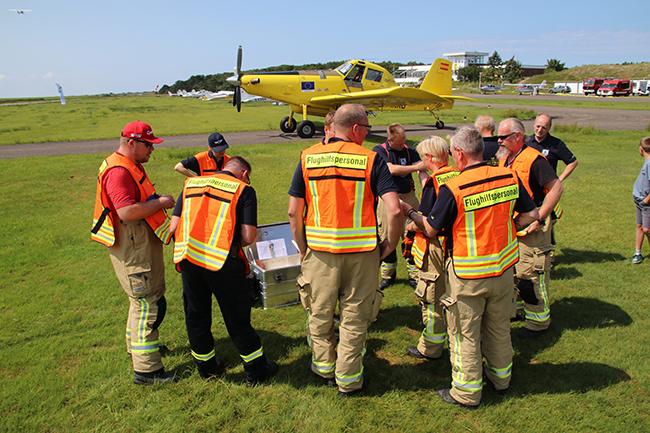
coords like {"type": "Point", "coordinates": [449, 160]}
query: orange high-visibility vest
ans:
{"type": "Point", "coordinates": [103, 230]}
{"type": "Point", "coordinates": [522, 165]}
{"type": "Point", "coordinates": [207, 225]}
{"type": "Point", "coordinates": [340, 202]}
{"type": "Point", "coordinates": [207, 165]}
{"type": "Point", "coordinates": [484, 238]}
{"type": "Point", "coordinates": [421, 242]}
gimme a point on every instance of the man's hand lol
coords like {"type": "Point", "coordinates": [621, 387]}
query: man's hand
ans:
{"type": "Point", "coordinates": [534, 227]}
{"type": "Point", "coordinates": [167, 201]}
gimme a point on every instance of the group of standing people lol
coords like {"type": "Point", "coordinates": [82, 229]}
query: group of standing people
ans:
{"type": "Point", "coordinates": [478, 246]}
{"type": "Point", "coordinates": [214, 217]}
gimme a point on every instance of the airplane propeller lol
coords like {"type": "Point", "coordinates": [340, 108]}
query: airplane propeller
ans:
{"type": "Point", "coordinates": [236, 80]}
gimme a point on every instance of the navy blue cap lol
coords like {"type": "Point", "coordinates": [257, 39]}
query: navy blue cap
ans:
{"type": "Point", "coordinates": [216, 142]}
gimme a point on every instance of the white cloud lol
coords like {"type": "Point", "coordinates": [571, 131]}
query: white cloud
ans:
{"type": "Point", "coordinates": [4, 77]}
{"type": "Point", "coordinates": [48, 75]}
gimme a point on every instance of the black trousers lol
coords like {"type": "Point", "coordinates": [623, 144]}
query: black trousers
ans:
{"type": "Point", "coordinates": [231, 289]}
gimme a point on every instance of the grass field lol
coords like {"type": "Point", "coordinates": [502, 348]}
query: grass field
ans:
{"type": "Point", "coordinates": [97, 117]}
{"type": "Point", "coordinates": [63, 365]}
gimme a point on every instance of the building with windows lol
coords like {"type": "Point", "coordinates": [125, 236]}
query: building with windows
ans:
{"type": "Point", "coordinates": [467, 58]}
{"type": "Point", "coordinates": [413, 75]}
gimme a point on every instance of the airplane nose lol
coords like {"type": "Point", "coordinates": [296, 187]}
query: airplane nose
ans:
{"type": "Point", "coordinates": [234, 80]}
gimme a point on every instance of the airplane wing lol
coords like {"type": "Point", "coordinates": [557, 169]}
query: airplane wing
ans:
{"type": "Point", "coordinates": [392, 96]}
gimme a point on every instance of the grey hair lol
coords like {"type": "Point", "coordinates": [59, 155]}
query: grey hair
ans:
{"type": "Point", "coordinates": [485, 123]}
{"type": "Point", "coordinates": [469, 140]}
{"type": "Point", "coordinates": [516, 125]}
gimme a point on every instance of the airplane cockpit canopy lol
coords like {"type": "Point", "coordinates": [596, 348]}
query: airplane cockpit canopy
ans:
{"type": "Point", "coordinates": [344, 68]}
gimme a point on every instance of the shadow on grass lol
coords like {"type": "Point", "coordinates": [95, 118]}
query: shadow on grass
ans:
{"type": "Point", "coordinates": [570, 256]}
{"type": "Point", "coordinates": [388, 373]}
{"type": "Point", "coordinates": [398, 317]}
{"type": "Point", "coordinates": [537, 378]}
{"type": "Point", "coordinates": [563, 270]}
{"type": "Point", "coordinates": [545, 378]}
{"type": "Point", "coordinates": [570, 314]}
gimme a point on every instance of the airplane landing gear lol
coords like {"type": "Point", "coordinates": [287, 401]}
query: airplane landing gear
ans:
{"type": "Point", "coordinates": [288, 124]}
{"type": "Point", "coordinates": [440, 124]}
{"type": "Point", "coordinates": [306, 129]}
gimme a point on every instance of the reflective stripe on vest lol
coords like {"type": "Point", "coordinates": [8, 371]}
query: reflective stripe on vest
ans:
{"type": "Point", "coordinates": [421, 242]}
{"type": "Point", "coordinates": [345, 221]}
{"type": "Point", "coordinates": [207, 224]}
{"type": "Point", "coordinates": [103, 230]}
{"type": "Point", "coordinates": [207, 165]}
{"type": "Point", "coordinates": [484, 239]}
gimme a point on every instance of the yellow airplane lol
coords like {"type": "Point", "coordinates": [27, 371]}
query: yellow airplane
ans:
{"type": "Point", "coordinates": [315, 93]}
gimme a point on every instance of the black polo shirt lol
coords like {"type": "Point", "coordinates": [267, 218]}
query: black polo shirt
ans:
{"type": "Point", "coordinates": [553, 149]}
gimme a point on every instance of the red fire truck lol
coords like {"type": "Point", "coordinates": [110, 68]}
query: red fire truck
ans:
{"type": "Point", "coordinates": [590, 85]}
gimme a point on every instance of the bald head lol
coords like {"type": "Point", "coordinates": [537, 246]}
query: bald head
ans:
{"type": "Point", "coordinates": [351, 123]}
{"type": "Point", "coordinates": [542, 127]}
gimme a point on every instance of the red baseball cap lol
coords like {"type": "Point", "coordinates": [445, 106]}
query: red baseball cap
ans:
{"type": "Point", "coordinates": [140, 131]}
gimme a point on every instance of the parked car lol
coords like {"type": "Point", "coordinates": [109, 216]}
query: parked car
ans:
{"type": "Point", "coordinates": [560, 89]}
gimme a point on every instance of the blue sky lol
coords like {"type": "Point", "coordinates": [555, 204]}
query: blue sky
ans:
{"type": "Point", "coordinates": [125, 46]}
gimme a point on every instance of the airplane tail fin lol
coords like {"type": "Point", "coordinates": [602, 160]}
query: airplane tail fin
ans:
{"type": "Point", "coordinates": [438, 80]}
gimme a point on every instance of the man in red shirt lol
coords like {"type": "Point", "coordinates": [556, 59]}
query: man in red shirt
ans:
{"type": "Point", "coordinates": [130, 220]}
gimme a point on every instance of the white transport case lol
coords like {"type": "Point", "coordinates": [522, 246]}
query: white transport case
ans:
{"type": "Point", "coordinates": [274, 259]}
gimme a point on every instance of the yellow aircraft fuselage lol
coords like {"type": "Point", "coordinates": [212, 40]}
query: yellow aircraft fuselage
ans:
{"type": "Point", "coordinates": [315, 93]}
{"type": "Point", "coordinates": [298, 88]}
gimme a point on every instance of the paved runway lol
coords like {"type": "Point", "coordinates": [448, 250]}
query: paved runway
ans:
{"type": "Point", "coordinates": [600, 118]}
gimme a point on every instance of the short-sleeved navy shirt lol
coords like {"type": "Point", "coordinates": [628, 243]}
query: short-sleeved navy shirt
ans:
{"type": "Point", "coordinates": [553, 149]}
{"type": "Point", "coordinates": [381, 180]}
{"type": "Point", "coordinates": [406, 156]}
